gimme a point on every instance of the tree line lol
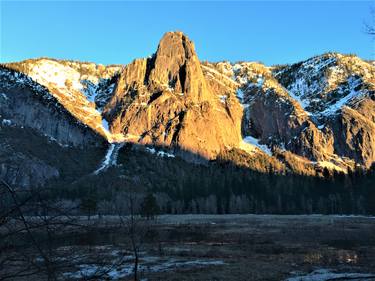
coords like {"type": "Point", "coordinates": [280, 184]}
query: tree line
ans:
{"type": "Point", "coordinates": [220, 188]}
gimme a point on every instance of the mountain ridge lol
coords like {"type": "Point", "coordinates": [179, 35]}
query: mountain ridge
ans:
{"type": "Point", "coordinates": [293, 114]}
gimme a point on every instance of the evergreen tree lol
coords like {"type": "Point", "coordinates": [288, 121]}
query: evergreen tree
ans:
{"type": "Point", "coordinates": [149, 207]}
{"type": "Point", "coordinates": [89, 205]}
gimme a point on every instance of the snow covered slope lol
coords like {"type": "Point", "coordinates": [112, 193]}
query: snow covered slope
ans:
{"type": "Point", "coordinates": [323, 84]}
{"type": "Point", "coordinates": [300, 108]}
{"type": "Point", "coordinates": [82, 88]}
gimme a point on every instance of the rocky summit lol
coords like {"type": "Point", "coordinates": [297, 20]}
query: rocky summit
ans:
{"type": "Point", "coordinates": [302, 118]}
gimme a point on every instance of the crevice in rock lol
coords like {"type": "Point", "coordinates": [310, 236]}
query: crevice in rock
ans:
{"type": "Point", "coordinates": [182, 76]}
{"type": "Point", "coordinates": [186, 48]}
{"type": "Point", "coordinates": [150, 65]}
{"type": "Point", "coordinates": [171, 80]}
{"type": "Point", "coordinates": [181, 116]}
{"type": "Point", "coordinates": [154, 97]}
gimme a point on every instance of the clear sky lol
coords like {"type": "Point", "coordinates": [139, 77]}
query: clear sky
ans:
{"type": "Point", "coordinates": [120, 31]}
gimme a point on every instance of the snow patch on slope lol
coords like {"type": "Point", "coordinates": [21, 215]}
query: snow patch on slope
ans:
{"type": "Point", "coordinates": [297, 91]}
{"type": "Point", "coordinates": [308, 78]}
{"type": "Point", "coordinates": [252, 145]}
{"type": "Point", "coordinates": [218, 74]}
{"type": "Point", "coordinates": [47, 71]}
{"type": "Point", "coordinates": [159, 153]}
{"type": "Point", "coordinates": [105, 124]}
{"type": "Point", "coordinates": [80, 97]}
{"type": "Point", "coordinates": [6, 122]}
{"type": "Point", "coordinates": [323, 84]}
{"type": "Point", "coordinates": [353, 83]}
{"type": "Point", "coordinates": [110, 158]}
{"type": "Point", "coordinates": [90, 90]}
{"type": "Point", "coordinates": [329, 166]}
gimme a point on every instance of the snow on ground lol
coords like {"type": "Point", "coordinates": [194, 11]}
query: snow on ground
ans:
{"type": "Point", "coordinates": [240, 95]}
{"type": "Point", "coordinates": [236, 67]}
{"type": "Point", "coordinates": [90, 90]}
{"type": "Point", "coordinates": [316, 64]}
{"type": "Point", "coordinates": [251, 144]}
{"type": "Point", "coordinates": [105, 124]}
{"type": "Point", "coordinates": [297, 91]}
{"type": "Point", "coordinates": [68, 83]}
{"type": "Point", "coordinates": [165, 154]}
{"type": "Point", "coordinates": [318, 77]}
{"type": "Point", "coordinates": [159, 153]}
{"type": "Point", "coordinates": [107, 159]}
{"type": "Point", "coordinates": [110, 158]}
{"type": "Point", "coordinates": [151, 150]}
{"type": "Point", "coordinates": [148, 264]}
{"type": "Point", "coordinates": [327, 275]}
{"type": "Point", "coordinates": [322, 63]}
{"type": "Point", "coordinates": [330, 166]}
{"type": "Point", "coordinates": [48, 71]}
{"type": "Point", "coordinates": [260, 81]}
{"type": "Point", "coordinates": [353, 83]}
{"type": "Point", "coordinates": [6, 122]}
{"type": "Point", "coordinates": [214, 71]}
{"type": "Point", "coordinates": [308, 80]}
{"type": "Point", "coordinates": [4, 96]}
{"type": "Point", "coordinates": [241, 98]}
{"type": "Point", "coordinates": [223, 98]}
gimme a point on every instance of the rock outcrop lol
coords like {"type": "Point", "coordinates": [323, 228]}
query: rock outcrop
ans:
{"type": "Point", "coordinates": [22, 170]}
{"type": "Point", "coordinates": [81, 88]}
{"type": "Point", "coordinates": [354, 136]}
{"type": "Point", "coordinates": [338, 93]}
{"type": "Point", "coordinates": [275, 118]}
{"type": "Point", "coordinates": [26, 103]}
{"type": "Point", "coordinates": [166, 101]}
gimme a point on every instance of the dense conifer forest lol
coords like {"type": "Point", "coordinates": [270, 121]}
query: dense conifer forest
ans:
{"type": "Point", "coordinates": [219, 187]}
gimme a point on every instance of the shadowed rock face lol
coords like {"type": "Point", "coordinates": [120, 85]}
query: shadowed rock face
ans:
{"type": "Point", "coordinates": [24, 171]}
{"type": "Point", "coordinates": [26, 106]}
{"type": "Point", "coordinates": [354, 136]}
{"type": "Point", "coordinates": [30, 105]}
{"type": "Point", "coordinates": [165, 100]}
{"type": "Point", "coordinates": [81, 88]}
{"type": "Point", "coordinates": [277, 119]}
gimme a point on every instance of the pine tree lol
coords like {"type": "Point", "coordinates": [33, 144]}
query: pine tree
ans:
{"type": "Point", "coordinates": [149, 208]}
{"type": "Point", "coordinates": [89, 205]}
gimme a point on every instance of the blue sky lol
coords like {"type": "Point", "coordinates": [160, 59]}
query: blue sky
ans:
{"type": "Point", "coordinates": [120, 31]}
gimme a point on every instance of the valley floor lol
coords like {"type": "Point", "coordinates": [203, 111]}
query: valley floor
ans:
{"type": "Point", "coordinates": [229, 247]}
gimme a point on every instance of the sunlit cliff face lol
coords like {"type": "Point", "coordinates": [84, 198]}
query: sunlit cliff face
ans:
{"type": "Point", "coordinates": [316, 113]}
